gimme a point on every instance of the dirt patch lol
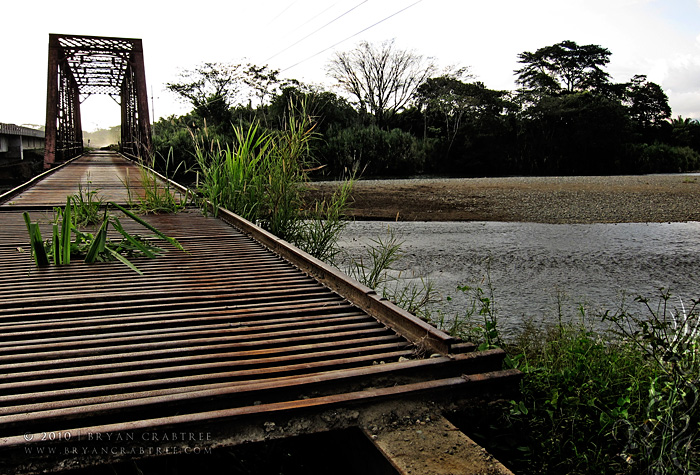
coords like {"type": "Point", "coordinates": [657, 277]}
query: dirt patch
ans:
{"type": "Point", "coordinates": [614, 199]}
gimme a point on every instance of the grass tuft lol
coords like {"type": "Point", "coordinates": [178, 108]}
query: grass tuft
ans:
{"type": "Point", "coordinates": [93, 248]}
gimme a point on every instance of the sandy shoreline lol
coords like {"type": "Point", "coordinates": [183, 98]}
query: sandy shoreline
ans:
{"type": "Point", "coordinates": [589, 199]}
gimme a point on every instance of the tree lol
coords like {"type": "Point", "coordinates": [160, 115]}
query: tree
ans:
{"type": "Point", "coordinates": [578, 133]}
{"type": "Point", "coordinates": [564, 67]}
{"type": "Point", "coordinates": [465, 119]}
{"type": "Point", "coordinates": [382, 79]}
{"type": "Point", "coordinates": [327, 109]}
{"type": "Point", "coordinates": [647, 102]}
{"type": "Point", "coordinates": [213, 88]}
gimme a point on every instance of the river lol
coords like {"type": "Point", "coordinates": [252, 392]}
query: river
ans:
{"type": "Point", "coordinates": [538, 269]}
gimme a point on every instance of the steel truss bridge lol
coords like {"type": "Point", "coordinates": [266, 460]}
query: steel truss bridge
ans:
{"type": "Point", "coordinates": [80, 66]}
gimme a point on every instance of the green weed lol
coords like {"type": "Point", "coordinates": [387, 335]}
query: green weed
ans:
{"type": "Point", "coordinates": [87, 205]}
{"type": "Point", "coordinates": [262, 175]}
{"type": "Point", "coordinates": [97, 247]}
{"type": "Point", "coordinates": [377, 272]}
{"type": "Point", "coordinates": [383, 252]}
{"type": "Point", "coordinates": [478, 321]}
{"type": "Point", "coordinates": [667, 439]}
{"type": "Point", "coordinates": [159, 196]}
{"type": "Point", "coordinates": [593, 402]}
{"type": "Point", "coordinates": [319, 230]}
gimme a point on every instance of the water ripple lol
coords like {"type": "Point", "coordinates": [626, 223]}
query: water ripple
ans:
{"type": "Point", "coordinates": [534, 267]}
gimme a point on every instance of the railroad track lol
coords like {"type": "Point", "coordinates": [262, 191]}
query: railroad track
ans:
{"type": "Point", "coordinates": [239, 338]}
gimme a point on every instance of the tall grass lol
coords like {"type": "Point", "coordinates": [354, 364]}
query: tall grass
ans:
{"type": "Point", "coordinates": [262, 175]}
{"type": "Point", "coordinates": [378, 271]}
{"type": "Point", "coordinates": [325, 220]}
{"type": "Point", "coordinates": [87, 205]}
{"type": "Point", "coordinates": [159, 196]}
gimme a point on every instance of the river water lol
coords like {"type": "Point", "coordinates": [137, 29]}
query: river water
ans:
{"type": "Point", "coordinates": [540, 272]}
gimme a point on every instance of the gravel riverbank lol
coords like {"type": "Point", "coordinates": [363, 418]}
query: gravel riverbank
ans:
{"type": "Point", "coordinates": [589, 199]}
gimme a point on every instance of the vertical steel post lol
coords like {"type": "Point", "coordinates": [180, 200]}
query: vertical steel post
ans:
{"type": "Point", "coordinates": [124, 114]}
{"type": "Point", "coordinates": [51, 103]}
{"type": "Point", "coordinates": [77, 120]}
{"type": "Point", "coordinates": [144, 122]}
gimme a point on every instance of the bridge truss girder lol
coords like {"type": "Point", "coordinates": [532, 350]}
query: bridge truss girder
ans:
{"type": "Point", "coordinates": [80, 66]}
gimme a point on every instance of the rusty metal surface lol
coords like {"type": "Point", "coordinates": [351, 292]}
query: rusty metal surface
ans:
{"type": "Point", "coordinates": [105, 172]}
{"type": "Point", "coordinates": [226, 331]}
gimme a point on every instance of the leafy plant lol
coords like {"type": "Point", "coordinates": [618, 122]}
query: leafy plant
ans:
{"type": "Point", "coordinates": [158, 194]}
{"type": "Point", "coordinates": [87, 205]}
{"type": "Point", "coordinates": [90, 247]}
{"type": "Point", "coordinates": [593, 402]}
{"type": "Point", "coordinates": [478, 321]}
{"type": "Point", "coordinates": [261, 176]}
{"type": "Point", "coordinates": [377, 273]}
{"type": "Point", "coordinates": [36, 242]}
{"type": "Point", "coordinates": [667, 439]}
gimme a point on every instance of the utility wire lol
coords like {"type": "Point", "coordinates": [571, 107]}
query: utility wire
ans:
{"type": "Point", "coordinates": [281, 13]}
{"type": "Point", "coordinates": [312, 18]}
{"type": "Point", "coordinates": [351, 36]}
{"type": "Point", "coordinates": [317, 30]}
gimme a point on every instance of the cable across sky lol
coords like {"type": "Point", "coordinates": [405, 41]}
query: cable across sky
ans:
{"type": "Point", "coordinates": [351, 36]}
{"type": "Point", "coordinates": [316, 30]}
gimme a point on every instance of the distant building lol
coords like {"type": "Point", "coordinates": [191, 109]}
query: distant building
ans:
{"type": "Point", "coordinates": [14, 140]}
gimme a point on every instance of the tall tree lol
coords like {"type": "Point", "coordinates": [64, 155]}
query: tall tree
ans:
{"type": "Point", "coordinates": [213, 88]}
{"type": "Point", "coordinates": [577, 133]}
{"type": "Point", "coordinates": [685, 132]}
{"type": "Point", "coordinates": [382, 79]}
{"type": "Point", "coordinates": [327, 108]}
{"type": "Point", "coordinates": [564, 67]}
{"type": "Point", "coordinates": [460, 110]}
{"type": "Point", "coordinates": [647, 102]}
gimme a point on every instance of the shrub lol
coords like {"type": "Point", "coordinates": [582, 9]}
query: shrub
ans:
{"type": "Point", "coordinates": [376, 151]}
{"type": "Point", "coordinates": [624, 402]}
{"type": "Point", "coordinates": [661, 157]}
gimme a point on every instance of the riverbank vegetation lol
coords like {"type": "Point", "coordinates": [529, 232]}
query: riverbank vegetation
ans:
{"type": "Point", "coordinates": [622, 401]}
{"type": "Point", "coordinates": [394, 112]}
{"type": "Point", "coordinates": [590, 402]}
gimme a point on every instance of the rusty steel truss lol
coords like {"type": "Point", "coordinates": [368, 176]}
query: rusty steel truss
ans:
{"type": "Point", "coordinates": [80, 66]}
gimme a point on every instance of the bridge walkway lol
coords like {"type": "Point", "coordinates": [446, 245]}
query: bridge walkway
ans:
{"type": "Point", "coordinates": [242, 337]}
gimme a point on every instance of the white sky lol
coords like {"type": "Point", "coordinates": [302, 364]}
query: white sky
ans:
{"type": "Point", "coordinates": [659, 38]}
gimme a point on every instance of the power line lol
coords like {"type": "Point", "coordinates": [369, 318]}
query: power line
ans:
{"type": "Point", "coordinates": [351, 36]}
{"type": "Point", "coordinates": [281, 13]}
{"type": "Point", "coordinates": [317, 30]}
{"type": "Point", "coordinates": [312, 18]}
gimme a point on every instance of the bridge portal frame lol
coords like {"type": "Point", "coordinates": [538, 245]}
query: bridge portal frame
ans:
{"type": "Point", "coordinates": [80, 66]}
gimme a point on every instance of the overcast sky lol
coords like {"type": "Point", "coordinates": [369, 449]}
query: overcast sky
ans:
{"type": "Point", "coordinates": [659, 38]}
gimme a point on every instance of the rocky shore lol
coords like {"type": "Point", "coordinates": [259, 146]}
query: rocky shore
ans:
{"type": "Point", "coordinates": [590, 199]}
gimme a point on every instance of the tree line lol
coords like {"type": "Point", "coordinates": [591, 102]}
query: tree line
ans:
{"type": "Point", "coordinates": [398, 114]}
